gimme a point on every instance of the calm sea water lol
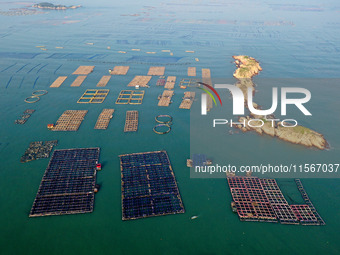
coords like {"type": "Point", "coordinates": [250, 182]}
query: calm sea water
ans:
{"type": "Point", "coordinates": [289, 40]}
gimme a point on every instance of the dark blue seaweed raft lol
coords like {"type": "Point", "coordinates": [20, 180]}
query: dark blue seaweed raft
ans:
{"type": "Point", "coordinates": [149, 186]}
{"type": "Point", "coordinates": [68, 184]}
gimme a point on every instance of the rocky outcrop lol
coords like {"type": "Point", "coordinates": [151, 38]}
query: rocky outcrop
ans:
{"type": "Point", "coordinates": [247, 67]}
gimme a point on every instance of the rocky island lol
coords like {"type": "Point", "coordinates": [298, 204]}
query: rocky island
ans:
{"type": "Point", "coordinates": [247, 67]}
{"type": "Point", "coordinates": [50, 6]}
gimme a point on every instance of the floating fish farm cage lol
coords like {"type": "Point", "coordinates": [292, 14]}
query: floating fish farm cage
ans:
{"type": "Point", "coordinates": [68, 184]}
{"type": "Point", "coordinates": [104, 119]}
{"type": "Point", "coordinates": [130, 97]}
{"type": "Point", "coordinates": [38, 150]}
{"type": "Point", "coordinates": [257, 199]}
{"type": "Point", "coordinates": [93, 96]}
{"type": "Point", "coordinates": [24, 117]}
{"type": "Point", "coordinates": [148, 186]}
{"type": "Point", "coordinates": [131, 121]}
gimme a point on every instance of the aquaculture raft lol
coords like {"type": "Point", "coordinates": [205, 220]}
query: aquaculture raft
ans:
{"type": "Point", "coordinates": [156, 70]}
{"type": "Point", "coordinates": [148, 186]}
{"type": "Point", "coordinates": [70, 120]}
{"type": "Point", "coordinates": [104, 119]}
{"type": "Point", "coordinates": [120, 70]}
{"type": "Point", "coordinates": [84, 70]}
{"type": "Point", "coordinates": [165, 98]}
{"type": "Point", "coordinates": [57, 83]}
{"type": "Point", "coordinates": [38, 150]}
{"type": "Point", "coordinates": [104, 80]}
{"type": "Point", "coordinates": [188, 99]}
{"type": "Point", "coordinates": [170, 82]}
{"type": "Point", "coordinates": [189, 82]}
{"type": "Point", "coordinates": [304, 214]}
{"type": "Point", "coordinates": [24, 117]}
{"type": "Point", "coordinates": [130, 97]}
{"type": "Point", "coordinates": [68, 184]}
{"type": "Point", "coordinates": [93, 96]}
{"type": "Point", "coordinates": [262, 200]}
{"type": "Point", "coordinates": [309, 202]}
{"type": "Point", "coordinates": [78, 81]}
{"type": "Point", "coordinates": [191, 71]}
{"type": "Point", "coordinates": [160, 82]}
{"type": "Point", "coordinates": [131, 121]}
{"type": "Point", "coordinates": [140, 80]}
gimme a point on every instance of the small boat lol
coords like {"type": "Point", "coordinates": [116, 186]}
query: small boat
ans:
{"type": "Point", "coordinates": [233, 207]}
{"type": "Point", "coordinates": [194, 217]}
{"type": "Point", "coordinates": [96, 188]}
{"type": "Point", "coordinates": [189, 163]}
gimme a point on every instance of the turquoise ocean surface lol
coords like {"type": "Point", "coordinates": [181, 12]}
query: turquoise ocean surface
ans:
{"type": "Point", "coordinates": [290, 41]}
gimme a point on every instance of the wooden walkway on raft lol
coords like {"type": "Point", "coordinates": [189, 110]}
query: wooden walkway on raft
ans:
{"type": "Point", "coordinates": [131, 121]}
{"type": "Point", "coordinates": [120, 70]}
{"type": "Point", "coordinates": [104, 119]}
{"type": "Point", "coordinates": [140, 80]}
{"type": "Point", "coordinates": [170, 82]}
{"type": "Point", "coordinates": [70, 120]}
{"type": "Point", "coordinates": [188, 99]}
{"type": "Point", "coordinates": [93, 96]}
{"type": "Point", "coordinates": [165, 99]}
{"type": "Point", "coordinates": [57, 83]}
{"type": "Point", "coordinates": [156, 70]}
{"type": "Point", "coordinates": [104, 80]}
{"type": "Point", "coordinates": [78, 81]}
{"type": "Point", "coordinates": [84, 70]}
{"type": "Point", "coordinates": [191, 71]}
{"type": "Point", "coordinates": [186, 82]}
{"type": "Point", "coordinates": [130, 97]}
{"type": "Point", "coordinates": [206, 78]}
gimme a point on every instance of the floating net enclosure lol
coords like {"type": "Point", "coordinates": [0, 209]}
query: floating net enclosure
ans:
{"type": "Point", "coordinates": [262, 200]}
{"type": "Point", "coordinates": [149, 186]}
{"type": "Point", "coordinates": [67, 186]}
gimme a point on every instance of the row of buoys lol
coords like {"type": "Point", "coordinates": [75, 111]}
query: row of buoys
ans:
{"type": "Point", "coordinates": [163, 123]}
{"type": "Point", "coordinates": [35, 96]}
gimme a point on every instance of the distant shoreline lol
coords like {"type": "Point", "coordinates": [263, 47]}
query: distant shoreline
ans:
{"type": "Point", "coordinates": [50, 6]}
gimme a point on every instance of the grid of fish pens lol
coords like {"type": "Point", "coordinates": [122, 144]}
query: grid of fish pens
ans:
{"type": "Point", "coordinates": [250, 199]}
{"type": "Point", "coordinates": [67, 186]}
{"type": "Point", "coordinates": [149, 186]}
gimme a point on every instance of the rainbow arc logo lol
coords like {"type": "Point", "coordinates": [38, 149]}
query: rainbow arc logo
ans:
{"type": "Point", "coordinates": [204, 97]}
